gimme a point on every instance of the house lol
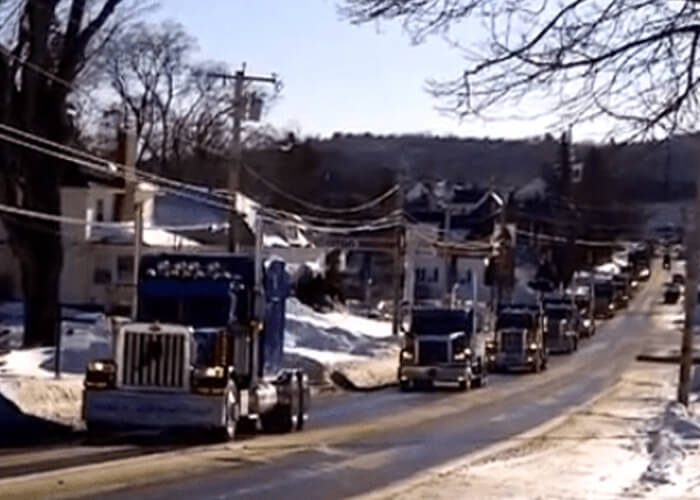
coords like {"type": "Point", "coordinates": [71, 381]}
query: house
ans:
{"type": "Point", "coordinates": [99, 255]}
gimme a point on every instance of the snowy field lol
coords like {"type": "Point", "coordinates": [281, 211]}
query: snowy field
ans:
{"type": "Point", "coordinates": [635, 442]}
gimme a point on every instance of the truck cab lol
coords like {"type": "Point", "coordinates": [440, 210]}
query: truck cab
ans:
{"type": "Point", "coordinates": [622, 290]}
{"type": "Point", "coordinates": [584, 299]}
{"type": "Point", "coordinates": [518, 339]}
{"type": "Point", "coordinates": [204, 351]}
{"type": "Point", "coordinates": [441, 346]}
{"type": "Point", "coordinates": [561, 324]}
{"type": "Point", "coordinates": [604, 301]}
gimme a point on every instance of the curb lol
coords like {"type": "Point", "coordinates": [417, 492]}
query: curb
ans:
{"type": "Point", "coordinates": [397, 489]}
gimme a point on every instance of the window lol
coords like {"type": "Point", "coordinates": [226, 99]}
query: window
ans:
{"type": "Point", "coordinates": [102, 276]}
{"type": "Point", "coordinates": [125, 269]}
{"type": "Point", "coordinates": [100, 210]}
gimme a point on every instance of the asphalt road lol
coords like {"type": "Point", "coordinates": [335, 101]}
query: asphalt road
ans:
{"type": "Point", "coordinates": [358, 443]}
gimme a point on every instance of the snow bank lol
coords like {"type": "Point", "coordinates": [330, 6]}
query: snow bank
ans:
{"type": "Point", "coordinates": [84, 338]}
{"type": "Point", "coordinates": [30, 396]}
{"type": "Point", "coordinates": [670, 435]}
{"type": "Point", "coordinates": [360, 352]}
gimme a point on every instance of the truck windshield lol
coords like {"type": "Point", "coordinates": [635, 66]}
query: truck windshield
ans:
{"type": "Point", "coordinates": [513, 320]}
{"type": "Point", "coordinates": [604, 291]}
{"type": "Point", "coordinates": [198, 312]}
{"type": "Point", "coordinates": [557, 312]}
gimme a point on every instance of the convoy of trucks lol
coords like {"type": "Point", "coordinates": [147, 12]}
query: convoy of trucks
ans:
{"type": "Point", "coordinates": [204, 349]}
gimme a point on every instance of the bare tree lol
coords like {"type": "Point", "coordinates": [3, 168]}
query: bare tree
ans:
{"type": "Point", "coordinates": [45, 46]}
{"type": "Point", "coordinates": [180, 112]}
{"type": "Point", "coordinates": [629, 60]}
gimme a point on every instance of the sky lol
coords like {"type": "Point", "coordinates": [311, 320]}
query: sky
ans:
{"type": "Point", "coordinates": [337, 77]}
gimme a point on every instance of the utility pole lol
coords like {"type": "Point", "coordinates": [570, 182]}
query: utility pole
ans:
{"type": "Point", "coordinates": [692, 268]}
{"type": "Point", "coordinates": [399, 262]}
{"type": "Point", "coordinates": [241, 112]}
{"type": "Point", "coordinates": [132, 203]}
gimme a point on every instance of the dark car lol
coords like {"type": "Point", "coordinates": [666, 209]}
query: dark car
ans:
{"type": "Point", "coordinates": [672, 293]}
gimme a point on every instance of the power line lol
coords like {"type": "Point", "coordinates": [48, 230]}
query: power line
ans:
{"type": "Point", "coordinates": [319, 208]}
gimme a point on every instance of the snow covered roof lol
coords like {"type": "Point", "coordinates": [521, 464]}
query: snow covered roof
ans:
{"type": "Point", "coordinates": [535, 189]}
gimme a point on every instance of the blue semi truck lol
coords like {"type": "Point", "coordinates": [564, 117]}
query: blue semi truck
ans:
{"type": "Point", "coordinates": [204, 351]}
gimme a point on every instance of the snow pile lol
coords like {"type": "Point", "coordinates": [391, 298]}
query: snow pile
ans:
{"type": "Point", "coordinates": [29, 394]}
{"type": "Point", "coordinates": [359, 350]}
{"type": "Point", "coordinates": [669, 437]}
{"type": "Point", "coordinates": [84, 337]}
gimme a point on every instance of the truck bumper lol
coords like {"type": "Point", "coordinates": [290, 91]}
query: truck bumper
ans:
{"type": "Point", "coordinates": [502, 361]}
{"type": "Point", "coordinates": [560, 345]}
{"type": "Point", "coordinates": [157, 410]}
{"type": "Point", "coordinates": [438, 373]}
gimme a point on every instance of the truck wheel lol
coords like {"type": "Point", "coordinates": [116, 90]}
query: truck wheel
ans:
{"type": "Point", "coordinates": [480, 381]}
{"type": "Point", "coordinates": [537, 365]}
{"type": "Point", "coordinates": [231, 412]}
{"type": "Point", "coordinates": [405, 385]}
{"type": "Point", "coordinates": [575, 344]}
{"type": "Point", "coordinates": [464, 385]}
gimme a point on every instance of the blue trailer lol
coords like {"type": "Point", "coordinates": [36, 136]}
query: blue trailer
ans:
{"type": "Point", "coordinates": [204, 351]}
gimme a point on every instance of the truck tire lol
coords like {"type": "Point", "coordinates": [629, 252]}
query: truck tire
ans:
{"type": "Point", "coordinates": [480, 381]}
{"type": "Point", "coordinates": [405, 385]}
{"type": "Point", "coordinates": [231, 411]}
{"type": "Point", "coordinates": [537, 364]}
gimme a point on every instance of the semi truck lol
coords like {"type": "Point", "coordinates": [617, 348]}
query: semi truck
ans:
{"type": "Point", "coordinates": [584, 298]}
{"type": "Point", "coordinates": [441, 346]}
{"type": "Point", "coordinates": [204, 351]}
{"type": "Point", "coordinates": [604, 301]}
{"type": "Point", "coordinates": [518, 339]}
{"type": "Point", "coordinates": [562, 325]}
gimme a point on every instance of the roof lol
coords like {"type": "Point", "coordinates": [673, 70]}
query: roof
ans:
{"type": "Point", "coordinates": [533, 190]}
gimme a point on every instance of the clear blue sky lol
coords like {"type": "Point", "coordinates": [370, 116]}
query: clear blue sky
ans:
{"type": "Point", "coordinates": [337, 77]}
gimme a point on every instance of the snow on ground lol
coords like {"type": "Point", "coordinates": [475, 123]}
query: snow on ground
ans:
{"type": "Point", "coordinates": [359, 350]}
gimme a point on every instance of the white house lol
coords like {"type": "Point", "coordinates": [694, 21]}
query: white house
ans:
{"type": "Point", "coordinates": [98, 255]}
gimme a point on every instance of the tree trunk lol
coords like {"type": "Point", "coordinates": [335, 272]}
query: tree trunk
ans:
{"type": "Point", "coordinates": [41, 262]}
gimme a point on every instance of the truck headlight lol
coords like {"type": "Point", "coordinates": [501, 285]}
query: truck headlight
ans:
{"type": "Point", "coordinates": [209, 380]}
{"type": "Point", "coordinates": [461, 356]}
{"type": "Point", "coordinates": [490, 345]}
{"type": "Point", "coordinates": [406, 355]}
{"type": "Point", "coordinates": [587, 323]}
{"type": "Point", "coordinates": [611, 307]}
{"type": "Point", "coordinates": [532, 347]}
{"type": "Point", "coordinates": [101, 374]}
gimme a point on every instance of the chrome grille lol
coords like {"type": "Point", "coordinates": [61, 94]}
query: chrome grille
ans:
{"type": "Point", "coordinates": [153, 360]}
{"type": "Point", "coordinates": [512, 342]}
{"type": "Point", "coordinates": [431, 352]}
